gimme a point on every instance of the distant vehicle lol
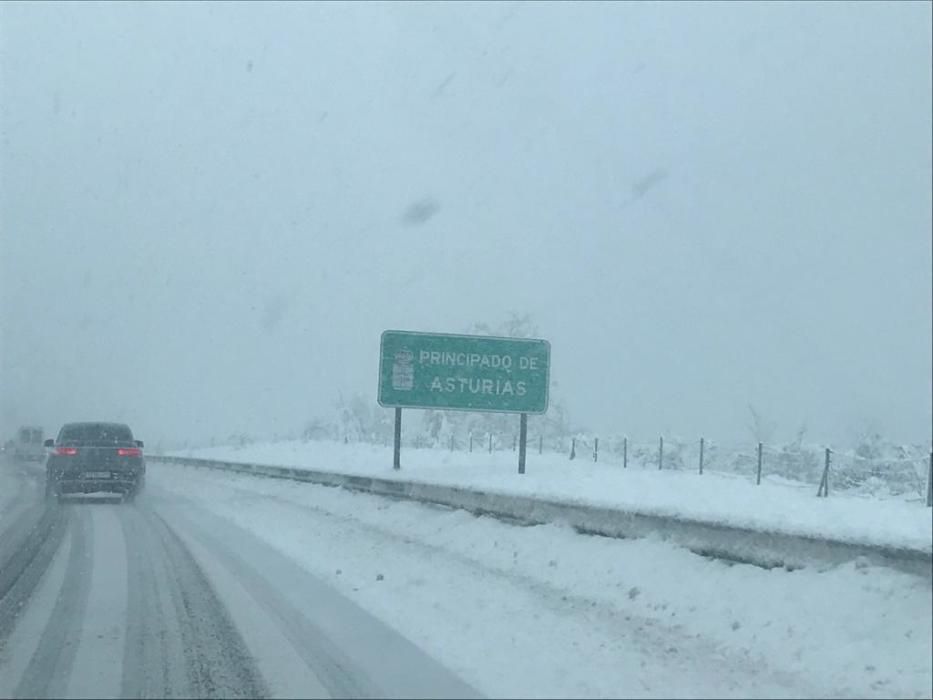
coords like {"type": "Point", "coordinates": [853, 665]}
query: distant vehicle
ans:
{"type": "Point", "coordinates": [28, 444]}
{"type": "Point", "coordinates": [93, 458]}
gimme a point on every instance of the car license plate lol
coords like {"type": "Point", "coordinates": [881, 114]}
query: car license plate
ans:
{"type": "Point", "coordinates": [97, 475]}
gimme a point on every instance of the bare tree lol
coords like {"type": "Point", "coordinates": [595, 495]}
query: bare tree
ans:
{"type": "Point", "coordinates": [760, 427]}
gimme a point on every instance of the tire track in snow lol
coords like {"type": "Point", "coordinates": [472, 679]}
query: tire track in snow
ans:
{"type": "Point", "coordinates": [27, 608]}
{"type": "Point", "coordinates": [51, 665]}
{"type": "Point", "coordinates": [27, 523]}
{"type": "Point", "coordinates": [151, 667]}
{"type": "Point", "coordinates": [283, 664]}
{"type": "Point", "coordinates": [27, 548]}
{"type": "Point", "coordinates": [180, 641]}
{"type": "Point", "coordinates": [352, 653]}
{"type": "Point", "coordinates": [334, 669]}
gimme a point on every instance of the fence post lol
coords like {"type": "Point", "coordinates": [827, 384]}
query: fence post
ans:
{"type": "Point", "coordinates": [625, 453]}
{"type": "Point", "coordinates": [701, 454]}
{"type": "Point", "coordinates": [540, 444]}
{"type": "Point", "coordinates": [661, 453]}
{"type": "Point", "coordinates": [451, 442]}
{"type": "Point", "coordinates": [490, 443]}
{"type": "Point", "coordinates": [596, 450]}
{"type": "Point", "coordinates": [758, 477]}
{"type": "Point", "coordinates": [471, 442]}
{"type": "Point", "coordinates": [823, 490]}
{"type": "Point", "coordinates": [930, 483]}
{"type": "Point", "coordinates": [573, 448]}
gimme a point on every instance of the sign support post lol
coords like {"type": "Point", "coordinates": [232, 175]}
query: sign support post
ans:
{"type": "Point", "coordinates": [522, 441]}
{"type": "Point", "coordinates": [397, 456]}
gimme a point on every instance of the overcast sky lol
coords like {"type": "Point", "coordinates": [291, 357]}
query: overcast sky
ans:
{"type": "Point", "coordinates": [703, 206]}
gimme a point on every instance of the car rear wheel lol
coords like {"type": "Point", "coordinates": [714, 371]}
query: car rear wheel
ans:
{"type": "Point", "coordinates": [130, 495]}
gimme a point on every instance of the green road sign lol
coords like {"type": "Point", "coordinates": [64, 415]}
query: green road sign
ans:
{"type": "Point", "coordinates": [464, 372]}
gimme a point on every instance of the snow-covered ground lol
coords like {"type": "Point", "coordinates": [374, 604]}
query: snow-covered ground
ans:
{"type": "Point", "coordinates": [776, 505]}
{"type": "Point", "coordinates": [545, 612]}
{"type": "Point", "coordinates": [9, 486]}
{"type": "Point", "coordinates": [15, 488]}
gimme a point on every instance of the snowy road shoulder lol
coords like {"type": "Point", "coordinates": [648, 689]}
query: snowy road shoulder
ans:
{"type": "Point", "coordinates": [348, 651]}
{"type": "Point", "coordinates": [542, 611]}
{"type": "Point", "coordinates": [775, 506]}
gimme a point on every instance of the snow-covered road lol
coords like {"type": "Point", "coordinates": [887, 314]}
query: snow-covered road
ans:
{"type": "Point", "coordinates": [217, 584]}
{"type": "Point", "coordinates": [151, 601]}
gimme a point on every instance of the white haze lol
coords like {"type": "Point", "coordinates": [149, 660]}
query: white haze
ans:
{"type": "Point", "coordinates": [211, 211]}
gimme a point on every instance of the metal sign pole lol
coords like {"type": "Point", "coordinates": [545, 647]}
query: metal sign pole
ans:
{"type": "Point", "coordinates": [522, 440]}
{"type": "Point", "coordinates": [397, 456]}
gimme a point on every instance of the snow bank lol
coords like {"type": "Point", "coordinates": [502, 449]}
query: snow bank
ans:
{"type": "Point", "coordinates": [774, 506]}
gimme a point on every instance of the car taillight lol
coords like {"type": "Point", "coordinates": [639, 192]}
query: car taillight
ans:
{"type": "Point", "coordinates": [66, 451]}
{"type": "Point", "coordinates": [129, 452]}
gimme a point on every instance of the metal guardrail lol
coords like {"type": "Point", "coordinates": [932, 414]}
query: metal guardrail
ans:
{"type": "Point", "coordinates": [708, 538]}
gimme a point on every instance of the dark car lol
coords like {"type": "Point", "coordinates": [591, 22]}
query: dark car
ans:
{"type": "Point", "coordinates": [95, 457]}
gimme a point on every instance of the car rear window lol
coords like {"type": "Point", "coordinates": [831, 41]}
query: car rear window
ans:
{"type": "Point", "coordinates": [96, 433]}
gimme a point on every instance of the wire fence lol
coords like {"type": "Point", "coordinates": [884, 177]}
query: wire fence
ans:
{"type": "Point", "coordinates": [889, 470]}
{"type": "Point", "coordinates": [873, 470]}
